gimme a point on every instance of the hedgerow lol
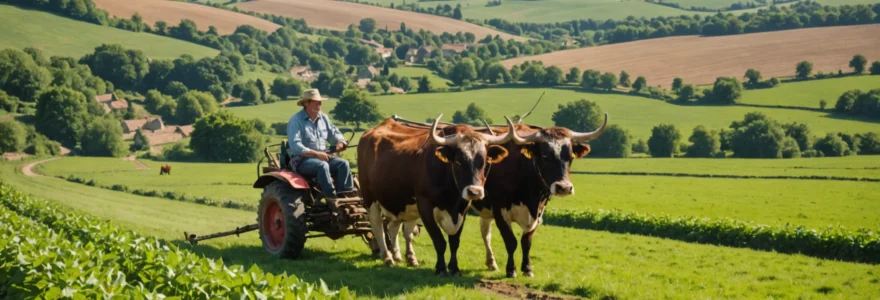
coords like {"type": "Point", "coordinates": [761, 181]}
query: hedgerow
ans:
{"type": "Point", "coordinates": [832, 242]}
{"type": "Point", "coordinates": [60, 251]}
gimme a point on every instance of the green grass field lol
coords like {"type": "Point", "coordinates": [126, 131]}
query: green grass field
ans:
{"type": "Point", "coordinates": [636, 114]}
{"type": "Point", "coordinates": [809, 202]}
{"type": "Point", "coordinates": [714, 4]}
{"type": "Point", "coordinates": [809, 93]}
{"type": "Point", "coordinates": [414, 72]}
{"type": "Point", "coordinates": [67, 37]}
{"type": "Point", "coordinates": [589, 264]}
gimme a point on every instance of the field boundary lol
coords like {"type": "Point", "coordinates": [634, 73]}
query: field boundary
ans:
{"type": "Point", "coordinates": [728, 176]}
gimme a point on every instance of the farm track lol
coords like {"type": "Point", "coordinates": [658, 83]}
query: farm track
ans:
{"type": "Point", "coordinates": [137, 164]}
{"type": "Point", "coordinates": [699, 60]}
{"type": "Point", "coordinates": [27, 169]}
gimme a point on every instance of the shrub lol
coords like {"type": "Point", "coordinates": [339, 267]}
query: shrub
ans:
{"type": "Point", "coordinates": [13, 136]}
{"type": "Point", "coordinates": [832, 145]}
{"type": "Point", "coordinates": [614, 142]}
{"type": "Point", "coordinates": [664, 140]}
{"type": "Point", "coordinates": [706, 143]}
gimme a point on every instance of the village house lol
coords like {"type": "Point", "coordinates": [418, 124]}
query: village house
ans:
{"type": "Point", "coordinates": [381, 49]}
{"type": "Point", "coordinates": [149, 123]}
{"type": "Point", "coordinates": [111, 103]}
{"type": "Point", "coordinates": [367, 73]}
{"type": "Point", "coordinates": [453, 49]}
{"type": "Point", "coordinates": [419, 55]}
{"type": "Point", "coordinates": [302, 73]}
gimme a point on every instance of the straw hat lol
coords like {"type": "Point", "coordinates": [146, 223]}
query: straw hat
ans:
{"type": "Point", "coordinates": [310, 94]}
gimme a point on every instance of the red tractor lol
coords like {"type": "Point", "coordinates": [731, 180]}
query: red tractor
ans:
{"type": "Point", "coordinates": [291, 210]}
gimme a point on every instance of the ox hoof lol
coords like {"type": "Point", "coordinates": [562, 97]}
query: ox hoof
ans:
{"type": "Point", "coordinates": [511, 274]}
{"type": "Point", "coordinates": [389, 262]}
{"type": "Point", "coordinates": [441, 273]}
{"type": "Point", "coordinates": [529, 274]}
{"type": "Point", "coordinates": [455, 274]}
{"type": "Point", "coordinates": [492, 266]}
{"type": "Point", "coordinates": [412, 262]}
{"type": "Point", "coordinates": [398, 259]}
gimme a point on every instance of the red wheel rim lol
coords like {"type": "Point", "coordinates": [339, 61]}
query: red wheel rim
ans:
{"type": "Point", "coordinates": [273, 222]}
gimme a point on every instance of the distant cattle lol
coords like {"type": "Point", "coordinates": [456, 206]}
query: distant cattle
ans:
{"type": "Point", "coordinates": [166, 169]}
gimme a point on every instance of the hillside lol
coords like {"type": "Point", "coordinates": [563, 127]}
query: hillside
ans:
{"type": "Point", "coordinates": [172, 12]}
{"type": "Point", "coordinates": [337, 15]}
{"type": "Point", "coordinates": [62, 36]}
{"type": "Point", "coordinates": [636, 114]}
{"type": "Point", "coordinates": [700, 60]}
{"type": "Point", "coordinates": [809, 93]}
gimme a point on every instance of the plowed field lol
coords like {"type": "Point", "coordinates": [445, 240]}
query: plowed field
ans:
{"type": "Point", "coordinates": [172, 12]}
{"type": "Point", "coordinates": [700, 60]}
{"type": "Point", "coordinates": [337, 15]}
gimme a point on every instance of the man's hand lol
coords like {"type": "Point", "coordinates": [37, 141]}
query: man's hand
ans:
{"type": "Point", "coordinates": [319, 155]}
{"type": "Point", "coordinates": [340, 146]}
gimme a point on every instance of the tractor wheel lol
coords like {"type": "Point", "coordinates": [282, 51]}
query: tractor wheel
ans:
{"type": "Point", "coordinates": [282, 220]}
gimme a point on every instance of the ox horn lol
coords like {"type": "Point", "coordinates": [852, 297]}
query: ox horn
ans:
{"type": "Point", "coordinates": [589, 136]}
{"type": "Point", "coordinates": [443, 141]}
{"type": "Point", "coordinates": [498, 140]}
{"type": "Point", "coordinates": [523, 140]}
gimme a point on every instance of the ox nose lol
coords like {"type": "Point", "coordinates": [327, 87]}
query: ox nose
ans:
{"type": "Point", "coordinates": [473, 193]}
{"type": "Point", "coordinates": [561, 188]}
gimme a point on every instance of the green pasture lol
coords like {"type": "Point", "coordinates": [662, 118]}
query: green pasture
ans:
{"type": "Point", "coordinates": [809, 93]}
{"type": "Point", "coordinates": [863, 166]}
{"type": "Point", "coordinates": [415, 73]}
{"type": "Point", "coordinates": [713, 4]}
{"type": "Point", "coordinates": [633, 113]}
{"type": "Point", "coordinates": [846, 2]}
{"type": "Point", "coordinates": [814, 203]}
{"type": "Point", "coordinates": [57, 35]}
{"type": "Point", "coordinates": [590, 264]}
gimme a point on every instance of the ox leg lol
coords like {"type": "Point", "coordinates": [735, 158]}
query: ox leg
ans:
{"type": "Point", "coordinates": [454, 242]}
{"type": "Point", "coordinates": [526, 246]}
{"type": "Point", "coordinates": [408, 228]}
{"type": "Point", "coordinates": [436, 237]}
{"type": "Point", "coordinates": [510, 244]}
{"type": "Point", "coordinates": [378, 227]}
{"type": "Point", "coordinates": [393, 230]}
{"type": "Point", "coordinates": [486, 231]}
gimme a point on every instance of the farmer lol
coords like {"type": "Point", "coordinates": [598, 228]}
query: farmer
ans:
{"type": "Point", "coordinates": [308, 132]}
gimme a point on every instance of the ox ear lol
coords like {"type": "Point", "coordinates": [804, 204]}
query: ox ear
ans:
{"type": "Point", "coordinates": [581, 150]}
{"type": "Point", "coordinates": [440, 153]}
{"type": "Point", "coordinates": [496, 154]}
{"type": "Point", "coordinates": [527, 151]}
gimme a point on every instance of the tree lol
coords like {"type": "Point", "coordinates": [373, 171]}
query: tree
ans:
{"type": "Point", "coordinates": [552, 76]}
{"type": "Point", "coordinates": [706, 143]}
{"type": "Point", "coordinates": [676, 83]}
{"type": "Point", "coordinates": [581, 115]}
{"type": "Point", "coordinates": [608, 81]}
{"type": "Point", "coordinates": [664, 140]}
{"type": "Point", "coordinates": [141, 142]}
{"type": "Point", "coordinates": [847, 101]}
{"type": "Point", "coordinates": [624, 79]}
{"type": "Point", "coordinates": [858, 63]}
{"type": "Point", "coordinates": [534, 74]}
{"type": "Point", "coordinates": [614, 142]}
{"type": "Point", "coordinates": [355, 107]}
{"type": "Point", "coordinates": [640, 83]}
{"type": "Point", "coordinates": [832, 145]}
{"type": "Point", "coordinates": [800, 132]}
{"type": "Point", "coordinates": [385, 86]}
{"type": "Point", "coordinates": [424, 85]}
{"type": "Point", "coordinates": [686, 92]}
{"type": "Point", "coordinates": [496, 71]}
{"type": "Point", "coordinates": [463, 70]}
{"type": "Point", "coordinates": [62, 115]}
{"type": "Point", "coordinates": [285, 87]}
{"type": "Point", "coordinates": [456, 14]}
{"type": "Point", "coordinates": [125, 68]}
{"type": "Point", "coordinates": [262, 89]}
{"type": "Point", "coordinates": [8, 103]}
{"type": "Point", "coordinates": [875, 68]}
{"type": "Point", "coordinates": [473, 115]}
{"type": "Point", "coordinates": [13, 136]}
{"type": "Point", "coordinates": [250, 95]}
{"type": "Point", "coordinates": [241, 141]}
{"type": "Point", "coordinates": [193, 105]}
{"type": "Point", "coordinates": [175, 89]}
{"type": "Point", "coordinates": [757, 136]}
{"type": "Point", "coordinates": [574, 75]}
{"type": "Point", "coordinates": [103, 137]}
{"type": "Point", "coordinates": [803, 70]}
{"type": "Point", "coordinates": [590, 79]}
{"type": "Point", "coordinates": [870, 143]}
{"type": "Point", "coordinates": [405, 84]}
{"type": "Point", "coordinates": [754, 76]}
{"type": "Point", "coordinates": [640, 146]}
{"type": "Point", "coordinates": [20, 76]}
{"type": "Point", "coordinates": [726, 90]}
{"type": "Point", "coordinates": [367, 25]}
{"type": "Point", "coordinates": [823, 104]}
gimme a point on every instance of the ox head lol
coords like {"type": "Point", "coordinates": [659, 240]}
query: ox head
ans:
{"type": "Point", "coordinates": [468, 153]}
{"type": "Point", "coordinates": [552, 151]}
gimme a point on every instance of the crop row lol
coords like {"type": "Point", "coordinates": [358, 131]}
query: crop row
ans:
{"type": "Point", "coordinates": [861, 245]}
{"type": "Point", "coordinates": [164, 194]}
{"type": "Point", "coordinates": [99, 258]}
{"type": "Point", "coordinates": [728, 176]}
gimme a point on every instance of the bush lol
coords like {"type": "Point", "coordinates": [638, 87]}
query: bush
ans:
{"type": "Point", "coordinates": [875, 68]}
{"type": "Point", "coordinates": [8, 103]}
{"type": "Point", "coordinates": [141, 141]}
{"type": "Point", "coordinates": [706, 143]}
{"type": "Point", "coordinates": [869, 143]}
{"type": "Point", "coordinates": [103, 137]}
{"type": "Point", "coordinates": [241, 141]}
{"type": "Point", "coordinates": [664, 140]}
{"type": "Point", "coordinates": [614, 142]}
{"type": "Point", "coordinates": [640, 147]}
{"type": "Point", "coordinates": [13, 136]}
{"type": "Point", "coordinates": [581, 115]}
{"type": "Point", "coordinates": [757, 136]}
{"type": "Point", "coordinates": [832, 145]}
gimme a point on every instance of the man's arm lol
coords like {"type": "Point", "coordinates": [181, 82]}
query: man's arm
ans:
{"type": "Point", "coordinates": [294, 138]}
{"type": "Point", "coordinates": [335, 135]}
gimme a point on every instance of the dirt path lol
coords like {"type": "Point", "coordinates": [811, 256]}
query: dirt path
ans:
{"type": "Point", "coordinates": [137, 165]}
{"type": "Point", "coordinates": [28, 168]}
{"type": "Point", "coordinates": [516, 291]}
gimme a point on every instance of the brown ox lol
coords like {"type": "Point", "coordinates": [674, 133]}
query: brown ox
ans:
{"type": "Point", "coordinates": [518, 189]}
{"type": "Point", "coordinates": [407, 174]}
{"type": "Point", "coordinates": [165, 169]}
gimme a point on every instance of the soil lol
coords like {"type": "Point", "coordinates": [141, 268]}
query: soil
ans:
{"type": "Point", "coordinates": [517, 291]}
{"type": "Point", "coordinates": [172, 12]}
{"type": "Point", "coordinates": [28, 169]}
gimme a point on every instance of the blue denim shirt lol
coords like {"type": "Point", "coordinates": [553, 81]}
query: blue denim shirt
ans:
{"type": "Point", "coordinates": [304, 134]}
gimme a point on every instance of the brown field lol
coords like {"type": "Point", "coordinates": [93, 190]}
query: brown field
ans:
{"type": "Point", "coordinates": [699, 60]}
{"type": "Point", "coordinates": [337, 15]}
{"type": "Point", "coordinates": [172, 12]}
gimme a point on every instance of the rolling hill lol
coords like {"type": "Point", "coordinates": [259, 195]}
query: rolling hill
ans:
{"type": "Point", "coordinates": [172, 12]}
{"type": "Point", "coordinates": [700, 60]}
{"type": "Point", "coordinates": [337, 15]}
{"type": "Point", "coordinates": [62, 36]}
